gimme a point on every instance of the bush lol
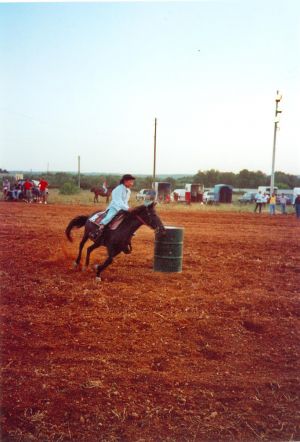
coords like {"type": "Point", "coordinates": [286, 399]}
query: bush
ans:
{"type": "Point", "coordinates": [69, 189]}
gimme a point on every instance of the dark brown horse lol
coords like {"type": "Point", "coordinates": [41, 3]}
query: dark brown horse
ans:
{"type": "Point", "coordinates": [98, 191]}
{"type": "Point", "coordinates": [115, 241]}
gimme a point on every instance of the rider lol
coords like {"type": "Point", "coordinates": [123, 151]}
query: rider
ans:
{"type": "Point", "coordinates": [120, 197]}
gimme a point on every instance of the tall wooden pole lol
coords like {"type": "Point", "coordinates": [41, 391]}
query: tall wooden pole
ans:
{"type": "Point", "coordinates": [276, 121]}
{"type": "Point", "coordinates": [79, 171]}
{"type": "Point", "coordinates": [154, 158]}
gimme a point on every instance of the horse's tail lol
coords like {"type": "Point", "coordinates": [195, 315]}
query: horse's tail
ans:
{"type": "Point", "coordinates": [77, 222]}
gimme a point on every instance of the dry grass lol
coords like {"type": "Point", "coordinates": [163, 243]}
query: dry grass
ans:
{"type": "Point", "coordinates": [85, 197]}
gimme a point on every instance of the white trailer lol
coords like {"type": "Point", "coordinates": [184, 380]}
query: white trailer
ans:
{"type": "Point", "coordinates": [296, 191]}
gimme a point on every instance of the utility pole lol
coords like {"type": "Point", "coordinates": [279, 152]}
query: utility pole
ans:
{"type": "Point", "coordinates": [154, 158]}
{"type": "Point", "coordinates": [276, 127]}
{"type": "Point", "coordinates": [79, 171]}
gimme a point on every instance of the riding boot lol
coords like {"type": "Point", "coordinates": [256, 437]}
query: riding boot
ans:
{"type": "Point", "coordinates": [96, 235]}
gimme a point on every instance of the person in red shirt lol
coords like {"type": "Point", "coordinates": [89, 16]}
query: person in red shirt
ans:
{"type": "Point", "coordinates": [27, 189]}
{"type": "Point", "coordinates": [43, 184]}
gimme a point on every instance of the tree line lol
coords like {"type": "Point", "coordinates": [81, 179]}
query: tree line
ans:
{"type": "Point", "coordinates": [243, 179]}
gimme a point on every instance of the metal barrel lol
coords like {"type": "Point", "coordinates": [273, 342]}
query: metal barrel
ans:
{"type": "Point", "coordinates": [168, 250]}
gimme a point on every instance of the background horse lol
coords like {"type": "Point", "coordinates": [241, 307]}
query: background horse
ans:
{"type": "Point", "coordinates": [98, 191]}
{"type": "Point", "coordinates": [115, 241]}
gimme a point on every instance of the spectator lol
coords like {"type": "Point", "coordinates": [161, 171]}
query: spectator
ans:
{"type": "Point", "coordinates": [266, 198]}
{"type": "Point", "coordinates": [259, 199]}
{"type": "Point", "coordinates": [28, 190]}
{"type": "Point", "coordinates": [17, 190]}
{"type": "Point", "coordinates": [297, 206]}
{"type": "Point", "coordinates": [6, 187]}
{"type": "Point", "coordinates": [272, 204]}
{"type": "Point", "coordinates": [43, 184]}
{"type": "Point", "coordinates": [283, 201]}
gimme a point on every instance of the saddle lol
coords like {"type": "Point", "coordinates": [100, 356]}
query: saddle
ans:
{"type": "Point", "coordinates": [114, 223]}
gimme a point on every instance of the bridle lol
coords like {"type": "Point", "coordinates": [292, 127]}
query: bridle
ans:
{"type": "Point", "coordinates": [141, 220]}
{"type": "Point", "coordinates": [157, 229]}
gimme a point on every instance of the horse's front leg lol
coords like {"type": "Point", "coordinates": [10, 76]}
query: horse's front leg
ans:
{"type": "Point", "coordinates": [112, 252]}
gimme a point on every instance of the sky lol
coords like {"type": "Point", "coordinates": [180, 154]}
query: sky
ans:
{"type": "Point", "coordinates": [89, 79]}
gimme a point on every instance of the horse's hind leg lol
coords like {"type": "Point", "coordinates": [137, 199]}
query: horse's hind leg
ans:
{"type": "Point", "coordinates": [81, 245]}
{"type": "Point", "coordinates": [89, 251]}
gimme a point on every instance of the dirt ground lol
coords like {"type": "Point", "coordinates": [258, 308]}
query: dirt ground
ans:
{"type": "Point", "coordinates": [206, 355]}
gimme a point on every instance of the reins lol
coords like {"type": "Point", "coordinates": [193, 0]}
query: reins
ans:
{"type": "Point", "coordinates": [141, 220]}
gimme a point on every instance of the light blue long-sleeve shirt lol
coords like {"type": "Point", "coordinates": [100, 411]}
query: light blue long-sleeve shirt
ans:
{"type": "Point", "coordinates": [120, 197]}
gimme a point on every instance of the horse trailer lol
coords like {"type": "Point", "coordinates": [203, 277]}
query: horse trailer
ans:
{"type": "Point", "coordinates": [162, 191]}
{"type": "Point", "coordinates": [194, 192]}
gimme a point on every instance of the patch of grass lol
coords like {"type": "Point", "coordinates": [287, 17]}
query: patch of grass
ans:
{"type": "Point", "coordinates": [86, 197]}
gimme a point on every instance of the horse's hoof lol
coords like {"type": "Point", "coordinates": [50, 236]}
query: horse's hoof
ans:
{"type": "Point", "coordinates": [84, 269]}
{"type": "Point", "coordinates": [75, 265]}
{"type": "Point", "coordinates": [98, 279]}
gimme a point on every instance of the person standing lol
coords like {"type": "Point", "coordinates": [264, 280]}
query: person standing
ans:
{"type": "Point", "coordinates": [259, 199]}
{"type": "Point", "coordinates": [120, 198]}
{"type": "Point", "coordinates": [28, 190]}
{"type": "Point", "coordinates": [283, 201]}
{"type": "Point", "coordinates": [272, 204]}
{"type": "Point", "coordinates": [43, 184]}
{"type": "Point", "coordinates": [6, 187]}
{"type": "Point", "coordinates": [17, 190]}
{"type": "Point", "coordinates": [297, 206]}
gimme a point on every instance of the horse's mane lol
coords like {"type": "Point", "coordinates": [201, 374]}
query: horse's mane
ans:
{"type": "Point", "coordinates": [141, 208]}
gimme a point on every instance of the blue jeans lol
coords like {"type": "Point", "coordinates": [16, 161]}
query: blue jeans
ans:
{"type": "Point", "coordinates": [16, 193]}
{"type": "Point", "coordinates": [297, 207]}
{"type": "Point", "coordinates": [283, 207]}
{"type": "Point", "coordinates": [109, 216]}
{"type": "Point", "coordinates": [272, 209]}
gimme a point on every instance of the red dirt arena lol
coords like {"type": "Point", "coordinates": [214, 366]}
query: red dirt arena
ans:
{"type": "Point", "coordinates": [208, 354]}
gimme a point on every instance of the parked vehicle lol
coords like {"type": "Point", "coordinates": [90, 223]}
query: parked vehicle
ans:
{"type": "Point", "coordinates": [144, 194]}
{"type": "Point", "coordinates": [267, 189]}
{"type": "Point", "coordinates": [162, 191]}
{"type": "Point", "coordinates": [248, 197]}
{"type": "Point", "coordinates": [196, 192]}
{"type": "Point", "coordinates": [209, 197]}
{"type": "Point", "coordinates": [178, 195]}
{"type": "Point", "coordinates": [296, 192]}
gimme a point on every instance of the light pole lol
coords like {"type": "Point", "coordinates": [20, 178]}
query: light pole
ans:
{"type": "Point", "coordinates": [276, 127]}
{"type": "Point", "coordinates": [154, 153]}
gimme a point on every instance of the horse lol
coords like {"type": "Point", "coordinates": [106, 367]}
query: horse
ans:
{"type": "Point", "coordinates": [118, 240]}
{"type": "Point", "coordinates": [98, 191]}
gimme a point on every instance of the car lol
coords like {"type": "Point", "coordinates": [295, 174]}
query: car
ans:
{"type": "Point", "coordinates": [248, 197]}
{"type": "Point", "coordinates": [144, 194]}
{"type": "Point", "coordinates": [209, 197]}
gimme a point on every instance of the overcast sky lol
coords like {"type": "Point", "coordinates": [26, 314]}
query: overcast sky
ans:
{"type": "Point", "coordinates": [88, 79]}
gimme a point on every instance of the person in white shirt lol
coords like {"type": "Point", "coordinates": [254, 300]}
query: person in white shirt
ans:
{"type": "Point", "coordinates": [283, 200]}
{"type": "Point", "coordinates": [259, 199]}
{"type": "Point", "coordinates": [120, 197]}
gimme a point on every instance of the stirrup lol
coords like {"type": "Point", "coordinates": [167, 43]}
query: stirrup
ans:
{"type": "Point", "coordinates": [96, 235]}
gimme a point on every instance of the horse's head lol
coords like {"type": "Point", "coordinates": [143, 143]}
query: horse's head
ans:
{"type": "Point", "coordinates": [147, 215]}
